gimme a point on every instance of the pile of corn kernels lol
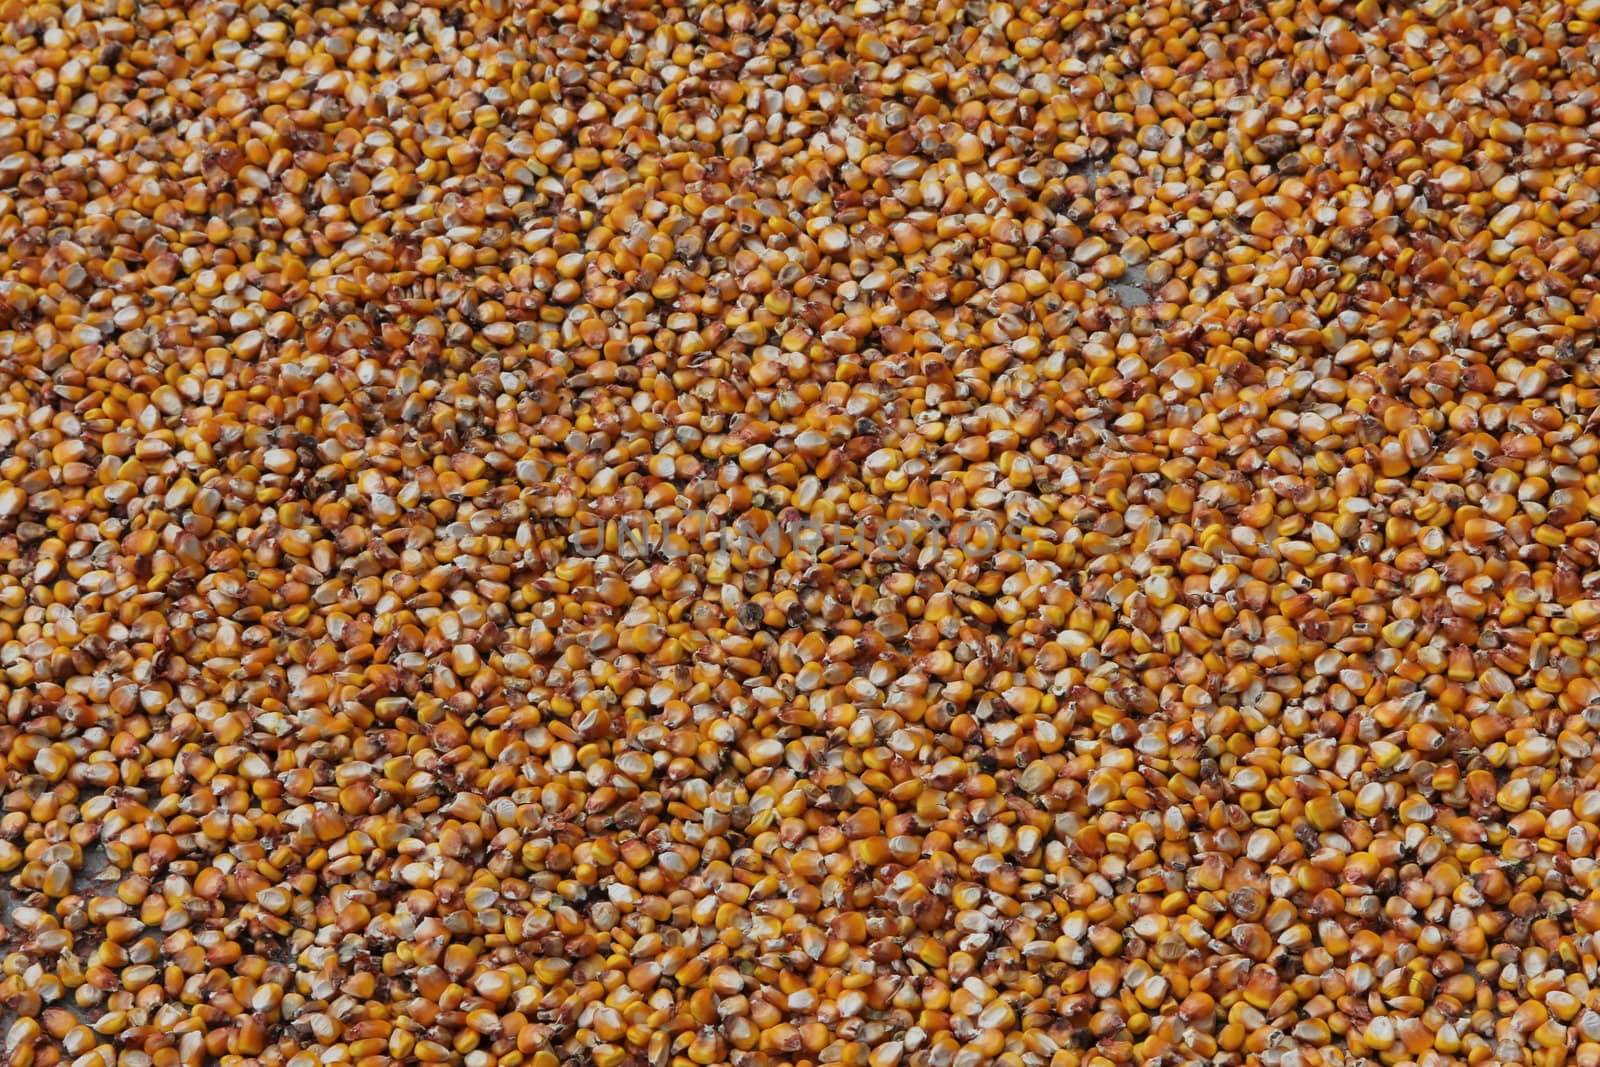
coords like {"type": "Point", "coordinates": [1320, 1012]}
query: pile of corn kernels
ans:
{"type": "Point", "coordinates": [449, 454]}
